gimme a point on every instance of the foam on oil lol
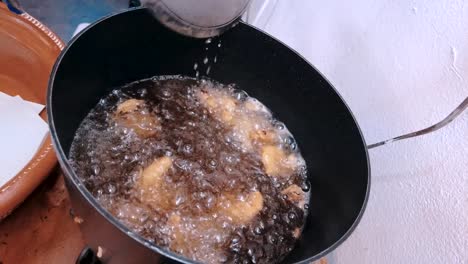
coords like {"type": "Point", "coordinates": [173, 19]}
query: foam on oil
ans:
{"type": "Point", "coordinates": [197, 167]}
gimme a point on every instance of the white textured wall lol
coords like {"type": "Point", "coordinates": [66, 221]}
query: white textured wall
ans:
{"type": "Point", "coordinates": [401, 66]}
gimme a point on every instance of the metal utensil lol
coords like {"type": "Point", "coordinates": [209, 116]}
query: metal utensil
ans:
{"type": "Point", "coordinates": [201, 18]}
{"type": "Point", "coordinates": [454, 114]}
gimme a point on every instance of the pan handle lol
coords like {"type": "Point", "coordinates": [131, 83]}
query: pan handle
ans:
{"type": "Point", "coordinates": [87, 256]}
{"type": "Point", "coordinates": [13, 6]}
{"type": "Point", "coordinates": [454, 114]}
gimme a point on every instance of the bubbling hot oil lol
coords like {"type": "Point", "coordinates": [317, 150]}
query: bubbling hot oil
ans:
{"type": "Point", "coordinates": [196, 167]}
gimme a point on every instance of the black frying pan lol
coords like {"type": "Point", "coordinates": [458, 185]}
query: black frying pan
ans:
{"type": "Point", "coordinates": [132, 45]}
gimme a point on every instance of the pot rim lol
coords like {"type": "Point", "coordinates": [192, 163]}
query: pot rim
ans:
{"type": "Point", "coordinates": [70, 173]}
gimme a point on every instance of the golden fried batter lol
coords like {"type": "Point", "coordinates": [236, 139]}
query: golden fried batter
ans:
{"type": "Point", "coordinates": [154, 191]}
{"type": "Point", "coordinates": [222, 106]}
{"type": "Point", "coordinates": [295, 195]}
{"type": "Point", "coordinates": [277, 163]}
{"type": "Point", "coordinates": [241, 211]}
{"type": "Point", "coordinates": [134, 114]}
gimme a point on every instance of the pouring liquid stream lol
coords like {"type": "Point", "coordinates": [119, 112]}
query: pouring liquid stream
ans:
{"type": "Point", "coordinates": [208, 60]}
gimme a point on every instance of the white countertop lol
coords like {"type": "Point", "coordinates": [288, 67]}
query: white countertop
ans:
{"type": "Point", "coordinates": [401, 66]}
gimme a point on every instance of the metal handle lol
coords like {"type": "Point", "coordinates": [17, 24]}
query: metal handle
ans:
{"type": "Point", "coordinates": [87, 256]}
{"type": "Point", "coordinates": [454, 114]}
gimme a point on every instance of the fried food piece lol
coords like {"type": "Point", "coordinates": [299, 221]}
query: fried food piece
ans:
{"type": "Point", "coordinates": [207, 99]}
{"type": "Point", "coordinates": [173, 220]}
{"type": "Point", "coordinates": [297, 232]}
{"type": "Point", "coordinates": [243, 118]}
{"type": "Point", "coordinates": [186, 237]}
{"type": "Point", "coordinates": [242, 128]}
{"type": "Point", "coordinates": [178, 242]}
{"type": "Point", "coordinates": [241, 211]}
{"type": "Point", "coordinates": [222, 106]}
{"type": "Point", "coordinates": [255, 106]}
{"type": "Point", "coordinates": [129, 105]}
{"type": "Point", "coordinates": [152, 176]}
{"type": "Point", "coordinates": [153, 187]}
{"type": "Point", "coordinates": [134, 114]}
{"type": "Point", "coordinates": [228, 108]}
{"type": "Point", "coordinates": [264, 136]}
{"type": "Point", "coordinates": [277, 163]}
{"type": "Point", "coordinates": [295, 195]}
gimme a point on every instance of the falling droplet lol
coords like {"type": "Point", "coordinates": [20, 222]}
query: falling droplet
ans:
{"type": "Point", "coordinates": [208, 70]}
{"type": "Point", "coordinates": [208, 41]}
{"type": "Point", "coordinates": [215, 59]}
{"type": "Point", "coordinates": [195, 66]}
{"type": "Point", "coordinates": [205, 60]}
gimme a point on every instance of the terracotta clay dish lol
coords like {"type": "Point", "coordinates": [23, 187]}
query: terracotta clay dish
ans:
{"type": "Point", "coordinates": [28, 51]}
